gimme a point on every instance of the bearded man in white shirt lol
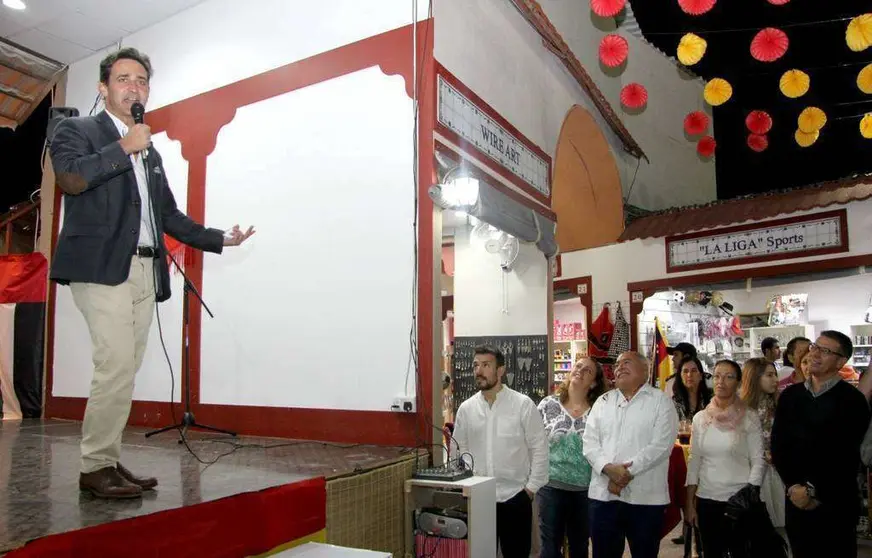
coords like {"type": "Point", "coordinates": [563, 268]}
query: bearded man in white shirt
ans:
{"type": "Point", "coordinates": [504, 433]}
{"type": "Point", "coordinates": [628, 438]}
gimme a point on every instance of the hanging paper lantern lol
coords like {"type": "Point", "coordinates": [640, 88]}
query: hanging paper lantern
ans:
{"type": "Point", "coordinates": [758, 122]}
{"type": "Point", "coordinates": [634, 95]}
{"type": "Point", "coordinates": [769, 44]}
{"type": "Point", "coordinates": [812, 119]}
{"type": "Point", "coordinates": [864, 80]}
{"type": "Point", "coordinates": [794, 83]}
{"type": "Point", "coordinates": [758, 142]}
{"type": "Point", "coordinates": [607, 8]}
{"type": "Point", "coordinates": [691, 49]}
{"type": "Point", "coordinates": [866, 126]}
{"type": "Point", "coordinates": [804, 139]}
{"type": "Point", "coordinates": [778, 2]}
{"type": "Point", "coordinates": [859, 33]}
{"type": "Point", "coordinates": [613, 50]}
{"type": "Point", "coordinates": [696, 7]}
{"type": "Point", "coordinates": [706, 146]}
{"type": "Point", "coordinates": [717, 92]}
{"type": "Point", "coordinates": [696, 123]}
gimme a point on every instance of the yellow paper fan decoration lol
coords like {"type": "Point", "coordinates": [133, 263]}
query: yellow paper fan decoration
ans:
{"type": "Point", "coordinates": [811, 120]}
{"type": "Point", "coordinates": [866, 126]}
{"type": "Point", "coordinates": [691, 49]}
{"type": "Point", "coordinates": [717, 92]}
{"type": "Point", "coordinates": [794, 83]}
{"type": "Point", "coordinates": [864, 79]}
{"type": "Point", "coordinates": [804, 139]}
{"type": "Point", "coordinates": [859, 33]}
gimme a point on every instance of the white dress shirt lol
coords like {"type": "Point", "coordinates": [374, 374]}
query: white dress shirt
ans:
{"type": "Point", "coordinates": [507, 441]}
{"type": "Point", "coordinates": [723, 462]}
{"type": "Point", "coordinates": [145, 229]}
{"type": "Point", "coordinates": [641, 430]}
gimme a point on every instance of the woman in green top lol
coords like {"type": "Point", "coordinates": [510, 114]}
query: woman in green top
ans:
{"type": "Point", "coordinates": [563, 501]}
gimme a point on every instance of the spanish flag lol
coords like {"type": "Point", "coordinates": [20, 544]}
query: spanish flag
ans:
{"type": "Point", "coordinates": [662, 364]}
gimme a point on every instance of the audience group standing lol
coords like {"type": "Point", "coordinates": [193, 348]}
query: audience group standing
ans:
{"type": "Point", "coordinates": [769, 450]}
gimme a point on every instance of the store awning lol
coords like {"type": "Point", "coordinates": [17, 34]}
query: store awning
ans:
{"type": "Point", "coordinates": [681, 220]}
{"type": "Point", "coordinates": [527, 225]}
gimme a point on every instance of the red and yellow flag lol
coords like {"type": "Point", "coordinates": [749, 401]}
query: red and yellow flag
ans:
{"type": "Point", "coordinates": [662, 363]}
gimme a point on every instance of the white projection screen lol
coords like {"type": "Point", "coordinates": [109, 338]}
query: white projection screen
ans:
{"type": "Point", "coordinates": [315, 310]}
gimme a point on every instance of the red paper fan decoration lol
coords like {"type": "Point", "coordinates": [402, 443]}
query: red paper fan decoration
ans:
{"type": "Point", "coordinates": [706, 146]}
{"type": "Point", "coordinates": [613, 50]}
{"type": "Point", "coordinates": [634, 95]}
{"type": "Point", "coordinates": [758, 142]}
{"type": "Point", "coordinates": [696, 123]}
{"type": "Point", "coordinates": [758, 122]}
{"type": "Point", "coordinates": [769, 44]}
{"type": "Point", "coordinates": [778, 2]}
{"type": "Point", "coordinates": [607, 8]}
{"type": "Point", "coordinates": [696, 7]}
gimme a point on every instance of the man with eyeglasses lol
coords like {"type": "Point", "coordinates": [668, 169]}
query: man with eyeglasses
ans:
{"type": "Point", "coordinates": [816, 437]}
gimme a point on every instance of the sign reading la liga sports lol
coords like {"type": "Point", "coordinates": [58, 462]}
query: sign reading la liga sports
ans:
{"type": "Point", "coordinates": [773, 240]}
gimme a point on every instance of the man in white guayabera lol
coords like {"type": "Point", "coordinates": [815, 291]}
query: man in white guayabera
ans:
{"type": "Point", "coordinates": [503, 431]}
{"type": "Point", "coordinates": [629, 435]}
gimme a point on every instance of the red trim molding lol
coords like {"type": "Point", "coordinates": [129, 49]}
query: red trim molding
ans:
{"type": "Point", "coordinates": [641, 290]}
{"type": "Point", "coordinates": [457, 158]}
{"type": "Point", "coordinates": [195, 122]}
{"type": "Point", "coordinates": [480, 155]}
{"type": "Point", "coordinates": [585, 298]}
{"type": "Point", "coordinates": [840, 214]}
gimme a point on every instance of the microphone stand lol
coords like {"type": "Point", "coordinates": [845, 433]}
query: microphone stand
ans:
{"type": "Point", "coordinates": [188, 420]}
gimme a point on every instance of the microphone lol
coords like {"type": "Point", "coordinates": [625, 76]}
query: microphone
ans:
{"type": "Point", "coordinates": [137, 111]}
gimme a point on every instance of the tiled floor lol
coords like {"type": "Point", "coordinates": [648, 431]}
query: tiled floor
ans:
{"type": "Point", "coordinates": [39, 469]}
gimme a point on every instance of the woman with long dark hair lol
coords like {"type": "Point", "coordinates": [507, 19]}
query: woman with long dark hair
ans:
{"type": "Point", "coordinates": [690, 393]}
{"type": "Point", "coordinates": [563, 501]}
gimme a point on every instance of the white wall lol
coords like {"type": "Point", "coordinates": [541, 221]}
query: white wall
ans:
{"type": "Point", "coordinates": [570, 311]}
{"type": "Point", "coordinates": [295, 307]}
{"type": "Point", "coordinates": [489, 46]}
{"type": "Point", "coordinates": [613, 266]}
{"type": "Point", "coordinates": [482, 290]}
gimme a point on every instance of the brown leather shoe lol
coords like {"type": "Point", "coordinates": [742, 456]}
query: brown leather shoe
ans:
{"type": "Point", "coordinates": [145, 483]}
{"type": "Point", "coordinates": [107, 483]}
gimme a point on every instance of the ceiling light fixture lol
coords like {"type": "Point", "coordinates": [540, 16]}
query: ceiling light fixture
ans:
{"type": "Point", "coordinates": [14, 4]}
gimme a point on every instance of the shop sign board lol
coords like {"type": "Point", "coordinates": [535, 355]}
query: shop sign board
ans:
{"type": "Point", "coordinates": [477, 125]}
{"type": "Point", "coordinates": [797, 237]}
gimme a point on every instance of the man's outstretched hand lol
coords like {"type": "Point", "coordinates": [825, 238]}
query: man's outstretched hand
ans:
{"type": "Point", "coordinates": [237, 237]}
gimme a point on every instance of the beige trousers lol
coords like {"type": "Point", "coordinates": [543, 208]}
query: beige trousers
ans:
{"type": "Point", "coordinates": [119, 318]}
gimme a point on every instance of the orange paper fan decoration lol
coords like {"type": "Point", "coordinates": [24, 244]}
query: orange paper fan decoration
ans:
{"type": "Point", "coordinates": [613, 50]}
{"type": "Point", "coordinates": [804, 139]}
{"type": "Point", "coordinates": [696, 123]}
{"type": "Point", "coordinates": [607, 8]}
{"type": "Point", "coordinates": [696, 7]}
{"type": "Point", "coordinates": [811, 120]}
{"type": "Point", "coordinates": [758, 122]}
{"type": "Point", "coordinates": [769, 44]}
{"type": "Point", "coordinates": [634, 95]}
{"type": "Point", "coordinates": [858, 36]}
{"type": "Point", "coordinates": [864, 80]}
{"type": "Point", "coordinates": [794, 83]}
{"type": "Point", "coordinates": [758, 142]}
{"type": "Point", "coordinates": [866, 126]}
{"type": "Point", "coordinates": [706, 146]}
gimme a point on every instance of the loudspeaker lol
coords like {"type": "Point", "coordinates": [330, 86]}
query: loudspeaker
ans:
{"type": "Point", "coordinates": [55, 115]}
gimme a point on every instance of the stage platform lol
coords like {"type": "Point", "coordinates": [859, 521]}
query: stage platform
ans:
{"type": "Point", "coordinates": [39, 494]}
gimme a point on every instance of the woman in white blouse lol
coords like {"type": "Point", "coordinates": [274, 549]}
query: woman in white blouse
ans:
{"type": "Point", "coordinates": [726, 454]}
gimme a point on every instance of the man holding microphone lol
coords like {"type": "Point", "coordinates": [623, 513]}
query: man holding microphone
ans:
{"type": "Point", "coordinates": [110, 252]}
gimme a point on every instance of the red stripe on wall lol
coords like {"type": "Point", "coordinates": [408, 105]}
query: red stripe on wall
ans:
{"type": "Point", "coordinates": [22, 278]}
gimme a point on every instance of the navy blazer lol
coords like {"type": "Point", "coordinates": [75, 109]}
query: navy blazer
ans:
{"type": "Point", "coordinates": [102, 207]}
